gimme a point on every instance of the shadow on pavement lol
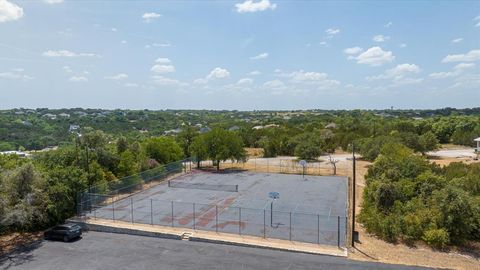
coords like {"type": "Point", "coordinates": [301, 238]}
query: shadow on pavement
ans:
{"type": "Point", "coordinates": [19, 255]}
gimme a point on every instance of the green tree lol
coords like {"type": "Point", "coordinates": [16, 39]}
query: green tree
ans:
{"type": "Point", "coordinates": [186, 138]}
{"type": "Point", "coordinates": [163, 149]}
{"type": "Point", "coordinates": [222, 145]}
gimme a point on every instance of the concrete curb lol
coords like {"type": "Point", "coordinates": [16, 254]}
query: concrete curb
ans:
{"type": "Point", "coordinates": [118, 228]}
{"type": "Point", "coordinates": [215, 241]}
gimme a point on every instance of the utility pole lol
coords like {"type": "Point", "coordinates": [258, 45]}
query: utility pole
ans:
{"type": "Point", "coordinates": [353, 195]}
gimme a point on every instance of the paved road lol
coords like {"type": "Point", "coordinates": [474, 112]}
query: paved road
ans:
{"type": "Point", "coordinates": [117, 251]}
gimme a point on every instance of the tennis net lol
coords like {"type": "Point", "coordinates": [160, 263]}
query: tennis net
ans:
{"type": "Point", "coordinates": [219, 187]}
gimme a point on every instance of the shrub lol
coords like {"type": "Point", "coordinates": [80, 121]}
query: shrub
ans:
{"type": "Point", "coordinates": [436, 238]}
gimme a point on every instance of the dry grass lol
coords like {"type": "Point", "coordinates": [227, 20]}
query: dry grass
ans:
{"type": "Point", "coordinates": [11, 241]}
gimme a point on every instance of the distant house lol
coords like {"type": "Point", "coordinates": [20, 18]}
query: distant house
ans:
{"type": "Point", "coordinates": [65, 115]}
{"type": "Point", "coordinates": [80, 113]}
{"type": "Point", "coordinates": [257, 127]}
{"type": "Point", "coordinates": [205, 129]}
{"type": "Point", "coordinates": [271, 126]}
{"type": "Point", "coordinates": [27, 123]}
{"type": "Point", "coordinates": [73, 128]}
{"type": "Point", "coordinates": [233, 128]}
{"type": "Point", "coordinates": [18, 153]}
{"type": "Point", "coordinates": [50, 116]}
{"type": "Point", "coordinates": [198, 125]}
{"type": "Point", "coordinates": [331, 126]}
{"type": "Point", "coordinates": [172, 131]}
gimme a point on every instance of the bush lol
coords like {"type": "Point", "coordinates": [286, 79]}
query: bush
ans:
{"type": "Point", "coordinates": [436, 238]}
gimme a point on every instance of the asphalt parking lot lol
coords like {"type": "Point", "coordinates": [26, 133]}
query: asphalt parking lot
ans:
{"type": "Point", "coordinates": [117, 251]}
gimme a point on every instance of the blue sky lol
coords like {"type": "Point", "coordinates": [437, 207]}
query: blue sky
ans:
{"type": "Point", "coordinates": [244, 55]}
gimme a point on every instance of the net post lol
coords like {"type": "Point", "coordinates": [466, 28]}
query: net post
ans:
{"type": "Point", "coordinates": [290, 236]}
{"type": "Point", "coordinates": [169, 183]}
{"type": "Point", "coordinates": [131, 207]}
{"type": "Point", "coordinates": [193, 216]}
{"type": "Point", "coordinates": [216, 218]}
{"type": "Point", "coordinates": [318, 229]}
{"type": "Point", "coordinates": [338, 231]}
{"type": "Point", "coordinates": [113, 211]}
{"type": "Point", "coordinates": [236, 188]}
{"type": "Point", "coordinates": [172, 215]}
{"type": "Point", "coordinates": [94, 213]}
{"type": "Point", "coordinates": [151, 211]}
{"type": "Point", "coordinates": [264, 225]}
{"type": "Point", "coordinates": [239, 221]}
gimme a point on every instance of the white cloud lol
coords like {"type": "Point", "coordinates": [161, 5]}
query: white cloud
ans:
{"type": "Point", "coordinates": [274, 84]}
{"type": "Point", "coordinates": [457, 40]}
{"type": "Point", "coordinates": [380, 38]}
{"type": "Point", "coordinates": [164, 81]}
{"type": "Point", "coordinates": [123, 42]}
{"type": "Point", "coordinates": [163, 60]}
{"type": "Point", "coordinates": [67, 69]}
{"type": "Point", "coordinates": [15, 74]}
{"type": "Point", "coordinates": [402, 45]}
{"type": "Point", "coordinates": [254, 73]}
{"type": "Point", "coordinates": [53, 1]}
{"type": "Point", "coordinates": [9, 11]}
{"type": "Point", "coordinates": [245, 81]}
{"type": "Point", "coordinates": [114, 29]}
{"type": "Point", "coordinates": [353, 50]}
{"type": "Point", "coordinates": [251, 6]}
{"type": "Point", "coordinates": [318, 79]}
{"type": "Point", "coordinates": [78, 79]}
{"type": "Point", "coordinates": [387, 25]}
{"type": "Point", "coordinates": [130, 85]}
{"type": "Point", "coordinates": [477, 20]}
{"type": "Point", "coordinates": [148, 46]}
{"type": "Point", "coordinates": [117, 77]}
{"type": "Point", "coordinates": [163, 68]}
{"type": "Point", "coordinates": [218, 73]}
{"type": "Point", "coordinates": [260, 56]}
{"type": "Point", "coordinates": [375, 56]}
{"type": "Point", "coordinates": [332, 31]}
{"type": "Point", "coordinates": [397, 73]}
{"type": "Point", "coordinates": [471, 56]}
{"type": "Point", "coordinates": [150, 16]}
{"type": "Point", "coordinates": [323, 43]}
{"type": "Point", "coordinates": [459, 69]}
{"type": "Point", "coordinates": [200, 81]}
{"type": "Point", "coordinates": [67, 53]}
{"type": "Point", "coordinates": [463, 66]}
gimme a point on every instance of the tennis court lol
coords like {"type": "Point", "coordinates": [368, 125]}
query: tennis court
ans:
{"type": "Point", "coordinates": [309, 209]}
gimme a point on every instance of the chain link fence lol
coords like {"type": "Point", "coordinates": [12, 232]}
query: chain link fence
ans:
{"type": "Point", "coordinates": [265, 223]}
{"type": "Point", "coordinates": [124, 187]}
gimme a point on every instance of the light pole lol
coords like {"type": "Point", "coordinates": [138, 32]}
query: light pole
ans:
{"type": "Point", "coordinates": [353, 194]}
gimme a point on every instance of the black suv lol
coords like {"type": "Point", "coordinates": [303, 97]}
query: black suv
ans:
{"type": "Point", "coordinates": [65, 232]}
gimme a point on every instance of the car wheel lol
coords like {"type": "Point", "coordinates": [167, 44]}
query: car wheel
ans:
{"type": "Point", "coordinates": [65, 238]}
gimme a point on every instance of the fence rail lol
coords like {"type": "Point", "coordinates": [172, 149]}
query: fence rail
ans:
{"type": "Point", "coordinates": [124, 187]}
{"type": "Point", "coordinates": [293, 226]}
{"type": "Point", "coordinates": [285, 166]}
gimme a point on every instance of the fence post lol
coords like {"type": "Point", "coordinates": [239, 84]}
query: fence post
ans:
{"type": "Point", "coordinates": [346, 229]}
{"type": "Point", "coordinates": [131, 206]}
{"type": "Point", "coordinates": [113, 211]}
{"type": "Point", "coordinates": [318, 229]}
{"type": "Point", "coordinates": [216, 218]}
{"type": "Point", "coordinates": [290, 226]}
{"type": "Point", "coordinates": [338, 231]}
{"type": "Point", "coordinates": [264, 226]}
{"type": "Point", "coordinates": [239, 221]}
{"type": "Point", "coordinates": [193, 216]}
{"type": "Point", "coordinates": [151, 211]}
{"type": "Point", "coordinates": [95, 213]}
{"type": "Point", "coordinates": [172, 215]}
